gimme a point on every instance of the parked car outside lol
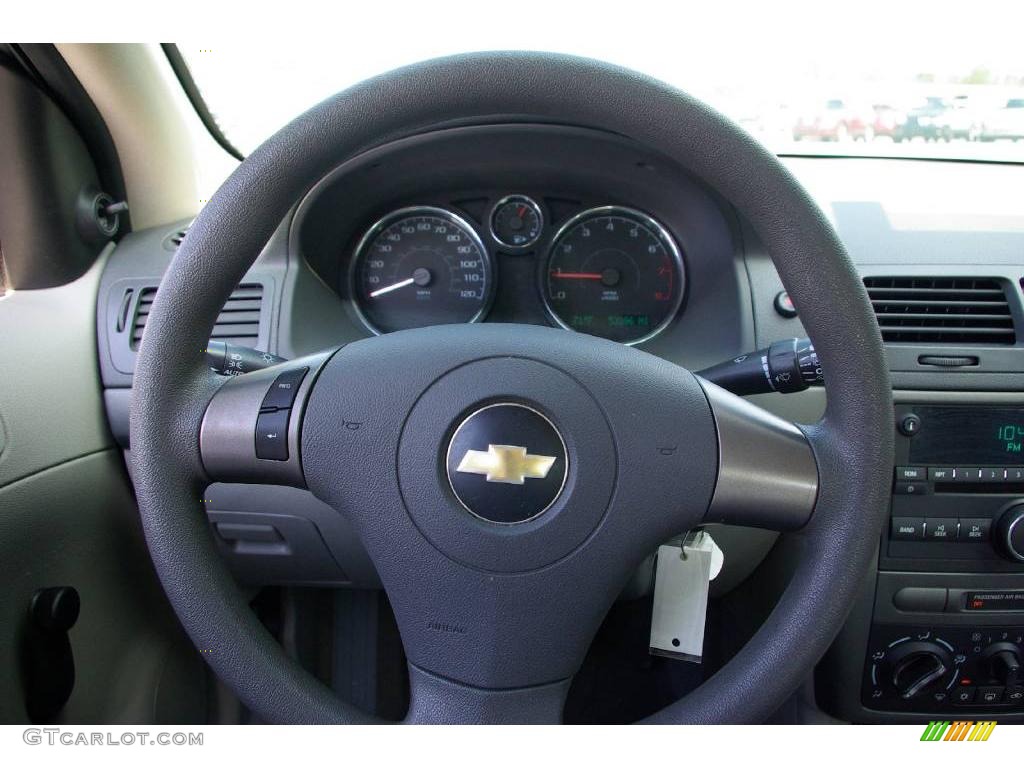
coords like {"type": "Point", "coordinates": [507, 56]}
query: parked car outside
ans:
{"type": "Point", "coordinates": [833, 120]}
{"type": "Point", "coordinates": [924, 121]}
{"type": "Point", "coordinates": [1006, 122]}
{"type": "Point", "coordinates": [887, 121]}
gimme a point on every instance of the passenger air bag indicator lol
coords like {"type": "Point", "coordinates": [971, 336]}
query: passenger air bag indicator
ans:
{"type": "Point", "coordinates": [1012, 600]}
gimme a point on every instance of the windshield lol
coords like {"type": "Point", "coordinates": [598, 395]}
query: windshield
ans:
{"type": "Point", "coordinates": [865, 78]}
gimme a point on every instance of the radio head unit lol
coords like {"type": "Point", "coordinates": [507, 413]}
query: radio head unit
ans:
{"type": "Point", "coordinates": [958, 489]}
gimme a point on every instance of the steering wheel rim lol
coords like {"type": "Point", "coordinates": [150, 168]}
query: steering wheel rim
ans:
{"type": "Point", "coordinates": [852, 444]}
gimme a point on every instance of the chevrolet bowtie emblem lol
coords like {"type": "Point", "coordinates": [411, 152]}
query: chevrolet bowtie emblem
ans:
{"type": "Point", "coordinates": [506, 464]}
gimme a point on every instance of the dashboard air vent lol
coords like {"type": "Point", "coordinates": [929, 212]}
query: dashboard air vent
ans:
{"type": "Point", "coordinates": [178, 237]}
{"type": "Point", "coordinates": [237, 323]}
{"type": "Point", "coordinates": [941, 310]}
{"type": "Point", "coordinates": [174, 239]}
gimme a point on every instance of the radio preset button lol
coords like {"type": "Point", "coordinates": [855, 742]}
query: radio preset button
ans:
{"type": "Point", "coordinates": [966, 475]}
{"type": "Point", "coordinates": [991, 474]}
{"type": "Point", "coordinates": [907, 528]}
{"type": "Point", "coordinates": [1015, 474]}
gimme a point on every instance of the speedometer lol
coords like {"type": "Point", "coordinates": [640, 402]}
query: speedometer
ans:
{"type": "Point", "coordinates": [421, 266]}
{"type": "Point", "coordinates": [614, 272]}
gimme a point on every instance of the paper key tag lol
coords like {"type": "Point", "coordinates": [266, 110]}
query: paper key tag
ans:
{"type": "Point", "coordinates": [681, 596]}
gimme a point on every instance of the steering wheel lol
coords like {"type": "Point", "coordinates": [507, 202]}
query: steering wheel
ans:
{"type": "Point", "coordinates": [506, 480]}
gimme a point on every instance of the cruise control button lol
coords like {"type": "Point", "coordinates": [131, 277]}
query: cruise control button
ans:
{"type": "Point", "coordinates": [975, 529]}
{"type": "Point", "coordinates": [272, 435]}
{"type": "Point", "coordinates": [908, 474]}
{"type": "Point", "coordinates": [964, 694]}
{"type": "Point", "coordinates": [990, 694]}
{"type": "Point", "coordinates": [282, 392]}
{"type": "Point", "coordinates": [940, 529]}
{"type": "Point", "coordinates": [907, 528]}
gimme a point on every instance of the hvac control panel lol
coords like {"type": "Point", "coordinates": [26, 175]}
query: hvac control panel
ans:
{"type": "Point", "coordinates": [915, 669]}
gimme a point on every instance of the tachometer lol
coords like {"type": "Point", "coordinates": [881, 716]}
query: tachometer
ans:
{"type": "Point", "coordinates": [421, 266]}
{"type": "Point", "coordinates": [613, 272]}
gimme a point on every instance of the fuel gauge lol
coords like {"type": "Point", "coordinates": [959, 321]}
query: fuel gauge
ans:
{"type": "Point", "coordinates": [516, 222]}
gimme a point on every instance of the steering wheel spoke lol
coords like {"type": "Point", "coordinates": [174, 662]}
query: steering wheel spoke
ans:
{"type": "Point", "coordinates": [767, 472]}
{"type": "Point", "coordinates": [435, 700]}
{"type": "Point", "coordinates": [252, 427]}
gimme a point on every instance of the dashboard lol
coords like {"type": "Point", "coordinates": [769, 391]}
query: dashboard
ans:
{"type": "Point", "coordinates": [569, 227]}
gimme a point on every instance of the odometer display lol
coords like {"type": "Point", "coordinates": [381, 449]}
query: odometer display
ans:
{"type": "Point", "coordinates": [614, 272]}
{"type": "Point", "coordinates": [420, 266]}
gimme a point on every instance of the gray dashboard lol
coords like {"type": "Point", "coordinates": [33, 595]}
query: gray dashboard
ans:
{"type": "Point", "coordinates": [908, 219]}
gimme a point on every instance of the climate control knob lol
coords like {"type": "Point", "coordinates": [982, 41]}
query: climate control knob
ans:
{"type": "Point", "coordinates": [917, 667]}
{"type": "Point", "coordinates": [1003, 660]}
{"type": "Point", "coordinates": [1009, 533]}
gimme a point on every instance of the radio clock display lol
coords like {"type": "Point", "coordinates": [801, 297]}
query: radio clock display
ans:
{"type": "Point", "coordinates": [968, 436]}
{"type": "Point", "coordinates": [1011, 436]}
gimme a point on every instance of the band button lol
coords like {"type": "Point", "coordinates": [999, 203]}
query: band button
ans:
{"type": "Point", "coordinates": [907, 528]}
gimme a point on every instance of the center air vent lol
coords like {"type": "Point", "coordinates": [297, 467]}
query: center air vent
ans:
{"type": "Point", "coordinates": [941, 310]}
{"type": "Point", "coordinates": [237, 323]}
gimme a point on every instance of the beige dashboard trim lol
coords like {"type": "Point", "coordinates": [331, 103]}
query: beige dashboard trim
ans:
{"type": "Point", "coordinates": [170, 162]}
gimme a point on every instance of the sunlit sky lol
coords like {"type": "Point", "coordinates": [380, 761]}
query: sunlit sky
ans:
{"type": "Point", "coordinates": [741, 57]}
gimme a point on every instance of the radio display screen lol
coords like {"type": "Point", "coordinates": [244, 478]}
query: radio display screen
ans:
{"type": "Point", "coordinates": [969, 436]}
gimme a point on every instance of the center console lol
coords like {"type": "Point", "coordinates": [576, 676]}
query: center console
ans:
{"type": "Point", "coordinates": [939, 630]}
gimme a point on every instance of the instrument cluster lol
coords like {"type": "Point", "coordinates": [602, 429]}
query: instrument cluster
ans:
{"type": "Point", "coordinates": [609, 270]}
